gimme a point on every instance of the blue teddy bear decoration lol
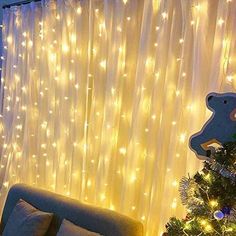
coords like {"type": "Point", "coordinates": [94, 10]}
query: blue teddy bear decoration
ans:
{"type": "Point", "coordinates": [219, 129]}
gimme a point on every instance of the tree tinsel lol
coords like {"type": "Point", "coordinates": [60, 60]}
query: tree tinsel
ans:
{"type": "Point", "coordinates": [210, 198]}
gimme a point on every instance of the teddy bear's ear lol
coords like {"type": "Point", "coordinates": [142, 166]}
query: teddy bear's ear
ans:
{"type": "Point", "coordinates": [209, 99]}
{"type": "Point", "coordinates": [233, 115]}
{"type": "Point", "coordinates": [210, 96]}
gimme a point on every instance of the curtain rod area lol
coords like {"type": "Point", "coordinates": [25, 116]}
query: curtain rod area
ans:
{"type": "Point", "coordinates": [19, 3]}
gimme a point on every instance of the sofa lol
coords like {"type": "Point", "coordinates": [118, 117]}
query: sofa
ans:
{"type": "Point", "coordinates": [103, 221]}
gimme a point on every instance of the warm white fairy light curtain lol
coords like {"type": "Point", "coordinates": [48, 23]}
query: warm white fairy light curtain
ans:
{"type": "Point", "coordinates": [100, 97]}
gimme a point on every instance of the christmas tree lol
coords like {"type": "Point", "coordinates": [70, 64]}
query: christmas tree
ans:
{"type": "Point", "coordinates": [210, 198]}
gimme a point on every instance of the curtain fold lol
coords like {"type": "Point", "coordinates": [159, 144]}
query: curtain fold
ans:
{"type": "Point", "coordinates": [99, 97]}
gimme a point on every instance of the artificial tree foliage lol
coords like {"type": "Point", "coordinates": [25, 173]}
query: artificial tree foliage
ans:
{"type": "Point", "coordinates": [210, 198]}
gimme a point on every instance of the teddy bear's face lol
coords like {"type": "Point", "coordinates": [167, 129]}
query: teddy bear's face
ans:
{"type": "Point", "coordinates": [221, 103]}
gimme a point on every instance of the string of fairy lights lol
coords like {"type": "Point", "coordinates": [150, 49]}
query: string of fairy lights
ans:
{"type": "Point", "coordinates": [87, 103]}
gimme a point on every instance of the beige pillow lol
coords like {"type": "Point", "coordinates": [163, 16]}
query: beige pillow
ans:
{"type": "Point", "coordinates": [26, 220]}
{"type": "Point", "coordinates": [69, 229]}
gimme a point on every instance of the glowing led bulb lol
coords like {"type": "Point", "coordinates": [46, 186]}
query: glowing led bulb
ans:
{"type": "Point", "coordinates": [102, 26]}
{"type": "Point", "coordinates": [154, 117]}
{"type": "Point", "coordinates": [208, 228]}
{"type": "Point", "coordinates": [69, 22]}
{"type": "Point", "coordinates": [118, 28]}
{"type": "Point", "coordinates": [220, 22]}
{"type": "Point", "coordinates": [198, 7]}
{"type": "Point", "coordinates": [54, 144]}
{"type": "Point", "coordinates": [77, 86]}
{"type": "Point", "coordinates": [174, 203]}
{"type": "Point", "coordinates": [175, 183]}
{"type": "Point", "coordinates": [213, 203]}
{"type": "Point", "coordinates": [65, 48]}
{"type": "Point", "coordinates": [75, 144]}
{"type": "Point", "coordinates": [9, 39]}
{"type": "Point", "coordinates": [164, 15]}
{"type": "Point", "coordinates": [229, 78]}
{"type": "Point", "coordinates": [122, 150]}
{"type": "Point", "coordinates": [30, 43]}
{"type": "Point", "coordinates": [52, 57]}
{"type": "Point", "coordinates": [133, 178]}
{"type": "Point", "coordinates": [203, 222]}
{"type": "Point", "coordinates": [73, 38]}
{"type": "Point", "coordinates": [150, 63]}
{"type": "Point", "coordinates": [19, 127]}
{"type": "Point", "coordinates": [207, 177]}
{"type": "Point", "coordinates": [23, 89]}
{"type": "Point", "coordinates": [79, 10]}
{"type": "Point", "coordinates": [189, 107]}
{"type": "Point", "coordinates": [103, 64]}
{"type": "Point", "coordinates": [89, 183]}
{"type": "Point", "coordinates": [44, 125]}
{"type": "Point", "coordinates": [182, 137]}
{"type": "Point", "coordinates": [102, 197]}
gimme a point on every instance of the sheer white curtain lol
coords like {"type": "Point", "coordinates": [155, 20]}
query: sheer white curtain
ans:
{"type": "Point", "coordinates": [99, 97]}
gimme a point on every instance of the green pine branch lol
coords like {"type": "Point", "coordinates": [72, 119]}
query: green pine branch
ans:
{"type": "Point", "coordinates": [209, 194]}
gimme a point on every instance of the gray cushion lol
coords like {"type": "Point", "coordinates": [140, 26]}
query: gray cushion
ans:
{"type": "Point", "coordinates": [26, 220]}
{"type": "Point", "coordinates": [69, 229]}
